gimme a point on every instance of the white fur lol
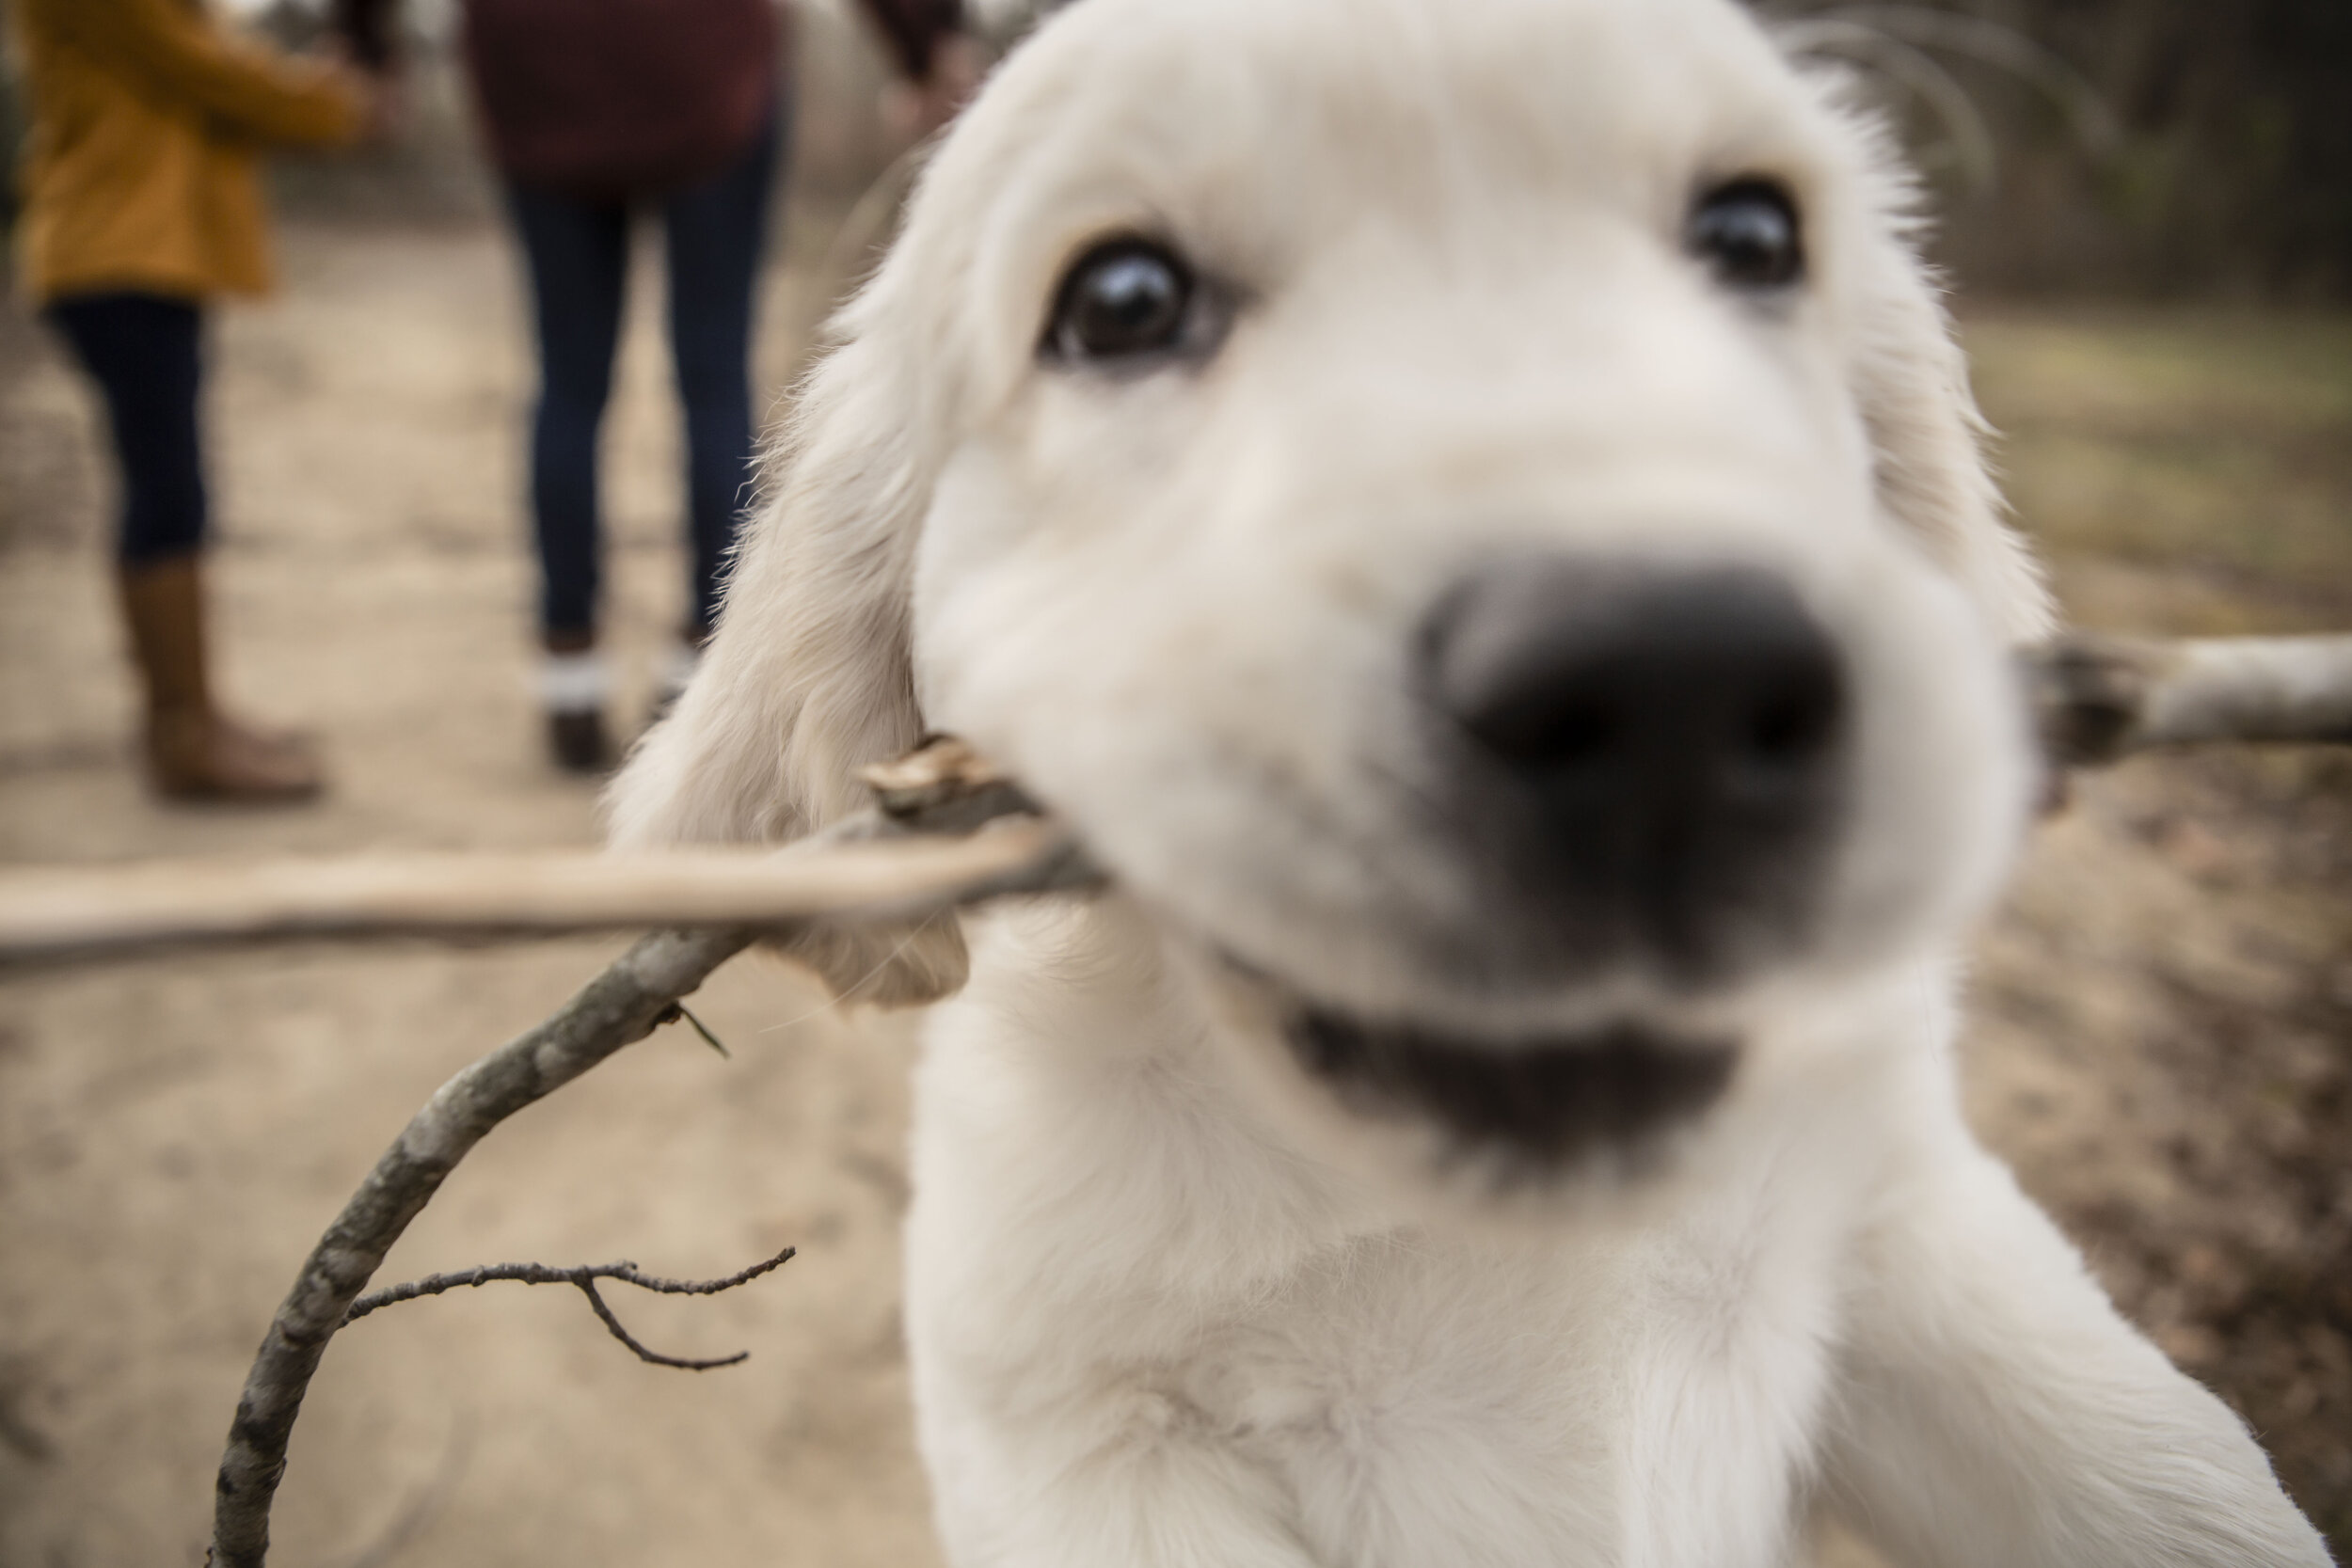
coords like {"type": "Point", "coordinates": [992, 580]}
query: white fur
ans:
{"type": "Point", "coordinates": [1169, 1302]}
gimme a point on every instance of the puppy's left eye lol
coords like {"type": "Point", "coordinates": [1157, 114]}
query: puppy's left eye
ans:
{"type": "Point", "coordinates": [1747, 232]}
{"type": "Point", "coordinates": [1125, 299]}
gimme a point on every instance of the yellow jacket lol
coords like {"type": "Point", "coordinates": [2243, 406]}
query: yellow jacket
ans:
{"type": "Point", "coordinates": [138, 168]}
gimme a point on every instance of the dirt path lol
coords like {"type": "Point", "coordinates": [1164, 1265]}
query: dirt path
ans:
{"type": "Point", "coordinates": [2162, 1042]}
{"type": "Point", "coordinates": [173, 1134]}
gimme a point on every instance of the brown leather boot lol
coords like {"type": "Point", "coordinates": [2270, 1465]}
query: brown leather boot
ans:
{"type": "Point", "coordinates": [194, 752]}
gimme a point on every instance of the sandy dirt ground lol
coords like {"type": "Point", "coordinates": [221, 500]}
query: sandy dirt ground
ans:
{"type": "Point", "coordinates": [2161, 1016]}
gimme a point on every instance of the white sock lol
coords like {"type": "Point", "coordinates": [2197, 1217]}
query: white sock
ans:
{"type": "Point", "coordinates": [677, 668]}
{"type": "Point", "coordinates": [573, 682]}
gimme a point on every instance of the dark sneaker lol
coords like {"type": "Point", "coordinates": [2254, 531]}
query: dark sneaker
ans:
{"type": "Point", "coordinates": [576, 741]}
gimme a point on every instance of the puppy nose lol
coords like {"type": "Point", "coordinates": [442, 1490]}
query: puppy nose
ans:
{"type": "Point", "coordinates": [1671, 734]}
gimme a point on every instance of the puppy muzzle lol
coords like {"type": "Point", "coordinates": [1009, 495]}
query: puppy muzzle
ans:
{"type": "Point", "coordinates": [1642, 768]}
{"type": "Point", "coordinates": [1646, 762]}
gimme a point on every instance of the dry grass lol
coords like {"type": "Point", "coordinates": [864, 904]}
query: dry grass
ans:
{"type": "Point", "coordinates": [2163, 1040]}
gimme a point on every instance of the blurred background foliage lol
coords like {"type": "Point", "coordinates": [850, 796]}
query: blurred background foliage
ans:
{"type": "Point", "coordinates": [2140, 148]}
{"type": "Point", "coordinates": [2151, 149]}
{"type": "Point", "coordinates": [2146, 149]}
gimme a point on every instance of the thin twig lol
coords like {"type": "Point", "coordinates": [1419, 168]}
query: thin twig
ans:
{"type": "Point", "coordinates": [618, 1007]}
{"type": "Point", "coordinates": [584, 1277]}
{"type": "Point", "coordinates": [678, 1010]}
{"type": "Point", "coordinates": [588, 1289]}
{"type": "Point", "coordinates": [615, 1009]}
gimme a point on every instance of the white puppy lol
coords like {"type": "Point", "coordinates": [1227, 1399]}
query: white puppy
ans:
{"type": "Point", "coordinates": [1469, 508]}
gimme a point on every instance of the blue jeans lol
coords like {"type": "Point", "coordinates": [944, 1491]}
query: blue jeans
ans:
{"type": "Point", "coordinates": [578, 253]}
{"type": "Point", "coordinates": [143, 351]}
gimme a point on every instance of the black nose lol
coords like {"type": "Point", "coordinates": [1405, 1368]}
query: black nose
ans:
{"type": "Point", "coordinates": [1664, 743]}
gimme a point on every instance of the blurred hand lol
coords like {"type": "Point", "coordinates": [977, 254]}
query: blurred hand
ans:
{"type": "Point", "coordinates": [391, 112]}
{"type": "Point", "coordinates": [914, 110]}
{"type": "Point", "coordinates": [383, 99]}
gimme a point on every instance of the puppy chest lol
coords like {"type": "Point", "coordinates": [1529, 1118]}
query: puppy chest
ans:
{"type": "Point", "coordinates": [1548, 1433]}
{"type": "Point", "coordinates": [1400, 1460]}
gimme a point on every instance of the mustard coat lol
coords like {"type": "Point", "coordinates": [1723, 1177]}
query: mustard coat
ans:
{"type": "Point", "coordinates": [140, 161]}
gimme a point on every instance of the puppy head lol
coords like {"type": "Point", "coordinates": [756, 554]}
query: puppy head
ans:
{"type": "Point", "coordinates": [1470, 509]}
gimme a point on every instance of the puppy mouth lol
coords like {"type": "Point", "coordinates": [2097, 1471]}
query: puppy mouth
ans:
{"type": "Point", "coordinates": [1542, 1101]}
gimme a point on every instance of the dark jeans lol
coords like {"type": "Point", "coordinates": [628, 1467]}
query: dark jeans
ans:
{"type": "Point", "coordinates": [145, 353]}
{"type": "Point", "coordinates": [578, 252]}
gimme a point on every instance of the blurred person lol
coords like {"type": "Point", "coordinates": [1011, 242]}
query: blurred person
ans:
{"type": "Point", "coordinates": [593, 114]}
{"type": "Point", "coordinates": [141, 203]}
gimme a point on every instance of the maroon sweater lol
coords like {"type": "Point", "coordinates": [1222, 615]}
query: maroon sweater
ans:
{"type": "Point", "coordinates": [612, 99]}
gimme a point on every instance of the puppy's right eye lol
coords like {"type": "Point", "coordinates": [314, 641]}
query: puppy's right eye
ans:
{"type": "Point", "coordinates": [1748, 232]}
{"type": "Point", "coordinates": [1125, 299]}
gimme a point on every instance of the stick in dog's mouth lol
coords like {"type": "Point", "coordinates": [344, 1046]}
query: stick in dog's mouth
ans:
{"type": "Point", "coordinates": [1545, 1101]}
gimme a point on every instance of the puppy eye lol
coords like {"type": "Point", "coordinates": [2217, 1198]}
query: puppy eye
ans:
{"type": "Point", "coordinates": [1123, 299]}
{"type": "Point", "coordinates": [1747, 232]}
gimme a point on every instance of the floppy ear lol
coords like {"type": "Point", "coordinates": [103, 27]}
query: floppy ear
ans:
{"type": "Point", "coordinates": [808, 674]}
{"type": "Point", "coordinates": [1912, 383]}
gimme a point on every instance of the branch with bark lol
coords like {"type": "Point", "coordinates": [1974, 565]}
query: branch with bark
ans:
{"type": "Point", "coordinates": [617, 1008]}
{"type": "Point", "coordinates": [642, 990]}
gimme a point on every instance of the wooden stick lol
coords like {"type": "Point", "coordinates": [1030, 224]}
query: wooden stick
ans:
{"type": "Point", "coordinates": [53, 914]}
{"type": "Point", "coordinates": [2101, 699]}
{"type": "Point", "coordinates": [2097, 700]}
